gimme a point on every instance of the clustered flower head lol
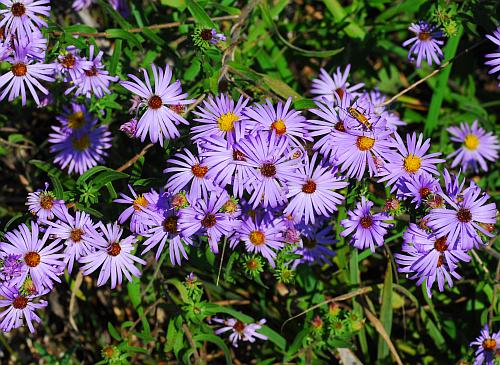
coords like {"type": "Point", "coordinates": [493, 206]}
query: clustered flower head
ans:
{"type": "Point", "coordinates": [262, 177]}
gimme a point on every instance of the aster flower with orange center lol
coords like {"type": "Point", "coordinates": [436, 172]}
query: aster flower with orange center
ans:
{"type": "Point", "coordinates": [94, 80]}
{"type": "Point", "coordinates": [409, 160]}
{"type": "Point", "coordinates": [70, 63]}
{"type": "Point", "coordinates": [478, 147]}
{"type": "Point", "coordinates": [19, 308]}
{"type": "Point", "coordinates": [313, 192]}
{"type": "Point", "coordinates": [369, 229]}
{"type": "Point", "coordinates": [113, 256]}
{"type": "Point", "coordinates": [188, 171]}
{"type": "Point", "coordinates": [22, 17]}
{"type": "Point", "coordinates": [239, 330]}
{"type": "Point", "coordinates": [25, 73]}
{"type": "Point", "coordinates": [75, 233]}
{"type": "Point", "coordinates": [44, 204]}
{"type": "Point", "coordinates": [419, 187]}
{"type": "Point", "coordinates": [281, 120]}
{"type": "Point", "coordinates": [333, 87]}
{"type": "Point", "coordinates": [487, 345]}
{"type": "Point", "coordinates": [426, 44]}
{"type": "Point", "coordinates": [221, 117]}
{"type": "Point", "coordinates": [158, 120]}
{"type": "Point", "coordinates": [41, 258]}
{"type": "Point", "coordinates": [261, 235]}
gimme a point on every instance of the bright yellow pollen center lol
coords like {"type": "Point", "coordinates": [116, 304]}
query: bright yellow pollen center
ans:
{"type": "Point", "coordinates": [76, 120]}
{"type": "Point", "coordinates": [412, 163]}
{"type": "Point", "coordinates": [471, 142]}
{"type": "Point", "coordinates": [257, 238]}
{"type": "Point", "coordinates": [279, 126]}
{"type": "Point", "coordinates": [81, 143]}
{"type": "Point", "coordinates": [226, 121]}
{"type": "Point", "coordinates": [139, 202]}
{"type": "Point", "coordinates": [365, 143]}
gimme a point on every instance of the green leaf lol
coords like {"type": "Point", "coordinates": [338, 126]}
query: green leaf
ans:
{"type": "Point", "coordinates": [117, 51]}
{"type": "Point", "coordinates": [217, 341]}
{"type": "Point", "coordinates": [133, 39]}
{"type": "Point", "coordinates": [108, 176]}
{"type": "Point", "coordinates": [353, 30]}
{"type": "Point", "coordinates": [58, 189]}
{"type": "Point", "coordinates": [199, 14]}
{"type": "Point", "coordinates": [89, 173]}
{"type": "Point", "coordinates": [113, 332]}
{"type": "Point", "coordinates": [180, 288]}
{"type": "Point", "coordinates": [386, 313]}
{"type": "Point", "coordinates": [280, 88]}
{"type": "Point", "coordinates": [179, 4]}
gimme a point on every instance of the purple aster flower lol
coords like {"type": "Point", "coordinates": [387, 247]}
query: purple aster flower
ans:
{"type": "Point", "coordinates": [282, 120]}
{"type": "Point", "coordinates": [24, 16]}
{"type": "Point", "coordinates": [312, 193]}
{"type": "Point", "coordinates": [410, 160]}
{"type": "Point", "coordinates": [356, 151]}
{"type": "Point", "coordinates": [442, 274]}
{"type": "Point", "coordinates": [435, 249]}
{"type": "Point", "coordinates": [163, 226]}
{"type": "Point", "coordinates": [80, 5]}
{"type": "Point", "coordinates": [487, 347]}
{"type": "Point", "coordinates": [419, 187]}
{"type": "Point", "coordinates": [190, 171]}
{"type": "Point", "coordinates": [495, 57]}
{"type": "Point", "coordinates": [315, 243]}
{"type": "Point", "coordinates": [391, 118]}
{"type": "Point", "coordinates": [239, 330]}
{"type": "Point", "coordinates": [25, 73]}
{"type": "Point", "coordinates": [477, 146]}
{"type": "Point", "coordinates": [261, 236]}
{"type": "Point", "coordinates": [44, 204]}
{"type": "Point", "coordinates": [129, 128]}
{"type": "Point", "coordinates": [18, 308]}
{"type": "Point", "coordinates": [34, 44]}
{"type": "Point", "coordinates": [221, 117]}
{"type": "Point", "coordinates": [462, 220]}
{"type": "Point", "coordinates": [113, 256]}
{"type": "Point", "coordinates": [425, 44]}
{"type": "Point", "coordinates": [203, 217]}
{"type": "Point", "coordinates": [273, 166]}
{"type": "Point", "coordinates": [77, 117]}
{"type": "Point", "coordinates": [159, 120]}
{"type": "Point", "coordinates": [137, 204]}
{"type": "Point", "coordinates": [11, 266]}
{"type": "Point", "coordinates": [71, 63]}
{"type": "Point", "coordinates": [41, 259]}
{"type": "Point", "coordinates": [369, 229]}
{"type": "Point", "coordinates": [221, 158]}
{"type": "Point", "coordinates": [76, 234]}
{"type": "Point", "coordinates": [120, 6]}
{"type": "Point", "coordinates": [80, 150]}
{"type": "Point", "coordinates": [334, 86]}
{"type": "Point", "coordinates": [94, 80]}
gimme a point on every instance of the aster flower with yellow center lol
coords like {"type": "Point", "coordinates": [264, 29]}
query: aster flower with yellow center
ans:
{"type": "Point", "coordinates": [137, 204]}
{"type": "Point", "coordinates": [221, 116]}
{"type": "Point", "coordinates": [409, 160]}
{"type": "Point", "coordinates": [478, 147]}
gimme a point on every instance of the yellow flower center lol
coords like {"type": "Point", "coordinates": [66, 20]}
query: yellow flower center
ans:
{"type": "Point", "coordinates": [76, 120]}
{"type": "Point", "coordinates": [140, 202]}
{"type": "Point", "coordinates": [279, 126]}
{"type": "Point", "coordinates": [257, 238]}
{"type": "Point", "coordinates": [226, 121]}
{"type": "Point", "coordinates": [412, 163]}
{"type": "Point", "coordinates": [82, 143]}
{"type": "Point", "coordinates": [471, 142]}
{"type": "Point", "coordinates": [365, 143]}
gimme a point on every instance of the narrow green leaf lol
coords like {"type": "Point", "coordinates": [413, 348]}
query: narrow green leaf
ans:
{"type": "Point", "coordinates": [131, 38]}
{"type": "Point", "coordinates": [215, 340]}
{"type": "Point", "coordinates": [89, 173]}
{"type": "Point", "coordinates": [386, 313]}
{"type": "Point", "coordinates": [353, 30]}
{"type": "Point", "coordinates": [108, 176]}
{"type": "Point", "coordinates": [280, 88]}
{"type": "Point", "coordinates": [113, 332]}
{"type": "Point", "coordinates": [117, 51]}
{"type": "Point", "coordinates": [58, 189]}
{"type": "Point", "coordinates": [199, 14]}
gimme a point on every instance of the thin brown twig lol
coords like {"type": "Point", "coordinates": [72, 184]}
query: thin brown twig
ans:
{"type": "Point", "coordinates": [433, 73]}
{"type": "Point", "coordinates": [130, 162]}
{"type": "Point", "coordinates": [189, 336]}
{"type": "Point", "coordinates": [382, 332]}
{"type": "Point", "coordinates": [141, 29]}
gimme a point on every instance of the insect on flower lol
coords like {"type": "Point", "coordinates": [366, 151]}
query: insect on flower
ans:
{"type": "Point", "coordinates": [360, 117]}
